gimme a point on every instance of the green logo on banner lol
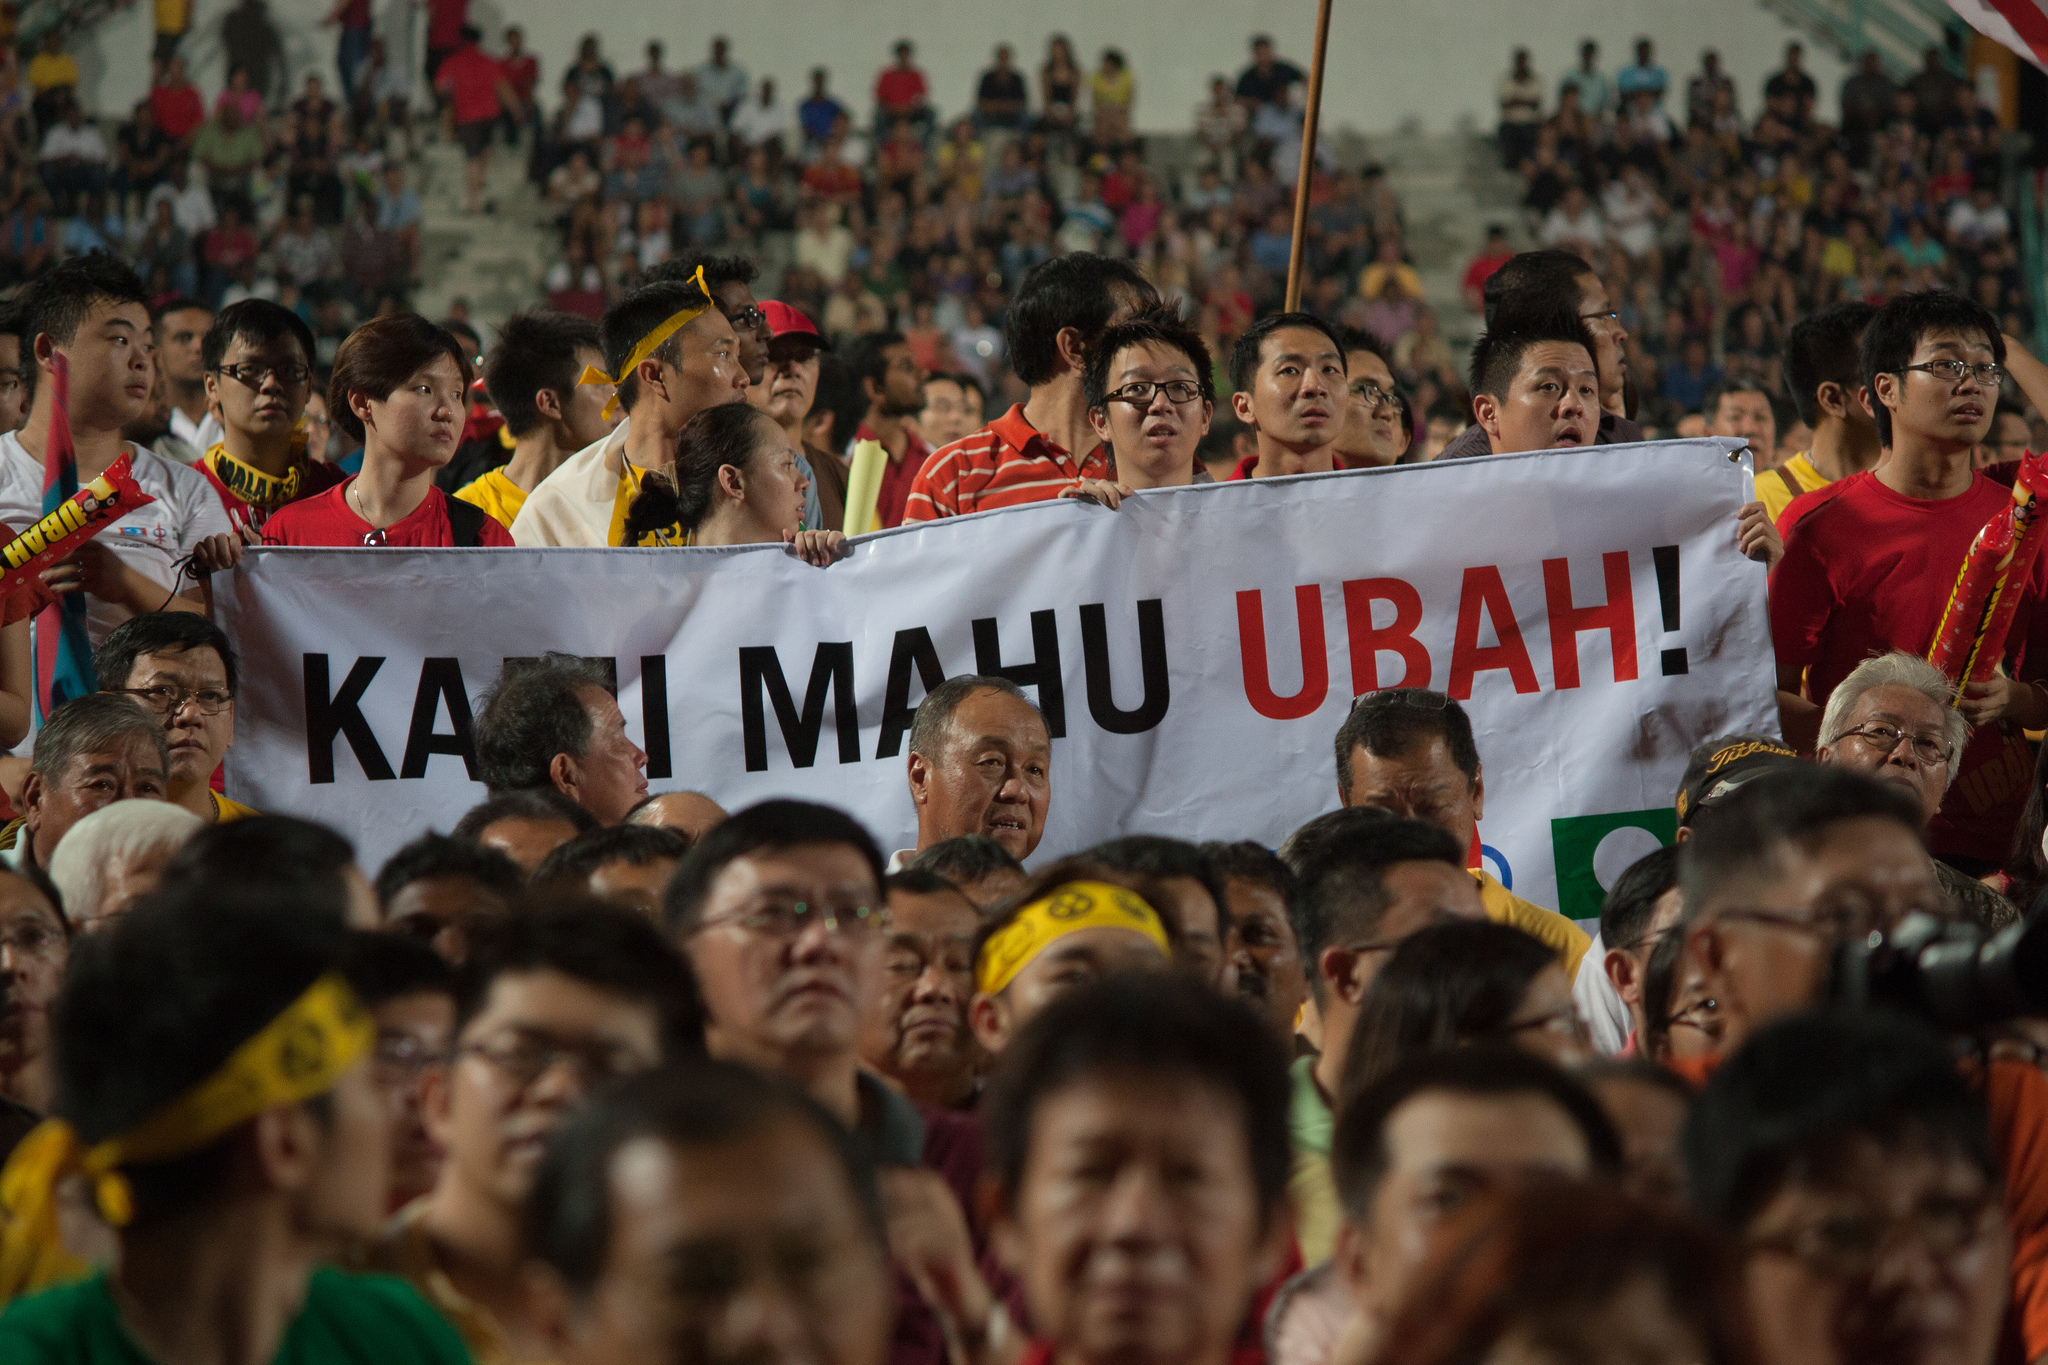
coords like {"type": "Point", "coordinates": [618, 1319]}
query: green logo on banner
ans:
{"type": "Point", "coordinates": [1588, 846]}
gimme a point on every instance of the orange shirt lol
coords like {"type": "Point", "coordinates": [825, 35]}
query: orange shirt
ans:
{"type": "Point", "coordinates": [1007, 463]}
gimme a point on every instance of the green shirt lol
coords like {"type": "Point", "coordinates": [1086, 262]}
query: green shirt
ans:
{"type": "Point", "coordinates": [1310, 1184]}
{"type": "Point", "coordinates": [346, 1320]}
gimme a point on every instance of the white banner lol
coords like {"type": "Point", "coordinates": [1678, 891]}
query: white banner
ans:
{"type": "Point", "coordinates": [1194, 653]}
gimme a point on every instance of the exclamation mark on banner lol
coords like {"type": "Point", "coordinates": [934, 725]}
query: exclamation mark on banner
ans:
{"type": "Point", "coordinates": [1665, 558]}
{"type": "Point", "coordinates": [654, 714]}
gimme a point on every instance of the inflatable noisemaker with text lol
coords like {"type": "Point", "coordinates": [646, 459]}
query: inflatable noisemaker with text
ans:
{"type": "Point", "coordinates": [86, 513]}
{"type": "Point", "coordinates": [1970, 640]}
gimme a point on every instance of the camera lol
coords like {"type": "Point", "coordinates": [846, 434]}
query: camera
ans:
{"type": "Point", "coordinates": [1946, 973]}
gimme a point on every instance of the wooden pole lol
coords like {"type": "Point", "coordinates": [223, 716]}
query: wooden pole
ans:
{"type": "Point", "coordinates": [1308, 156]}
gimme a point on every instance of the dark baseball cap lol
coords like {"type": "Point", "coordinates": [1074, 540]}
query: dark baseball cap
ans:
{"type": "Point", "coordinates": [1721, 765]}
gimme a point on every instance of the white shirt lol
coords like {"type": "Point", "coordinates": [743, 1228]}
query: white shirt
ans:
{"type": "Point", "coordinates": [202, 435]}
{"type": "Point", "coordinates": [573, 505]}
{"type": "Point", "coordinates": [191, 207]}
{"type": "Point", "coordinates": [753, 122]}
{"type": "Point", "coordinates": [722, 84]}
{"type": "Point", "coordinates": [83, 142]}
{"type": "Point", "coordinates": [1607, 1019]}
{"type": "Point", "coordinates": [149, 540]}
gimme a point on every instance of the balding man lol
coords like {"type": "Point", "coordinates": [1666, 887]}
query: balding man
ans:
{"type": "Point", "coordinates": [980, 763]}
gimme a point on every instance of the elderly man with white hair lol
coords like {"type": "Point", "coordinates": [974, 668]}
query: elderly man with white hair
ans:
{"type": "Point", "coordinates": [113, 857]}
{"type": "Point", "coordinates": [1891, 719]}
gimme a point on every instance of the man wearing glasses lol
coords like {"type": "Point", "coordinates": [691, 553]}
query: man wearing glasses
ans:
{"type": "Point", "coordinates": [1150, 396]}
{"type": "Point", "coordinates": [258, 359]}
{"type": "Point", "coordinates": [1890, 719]}
{"type": "Point", "coordinates": [552, 1003]}
{"type": "Point", "coordinates": [180, 668]}
{"type": "Point", "coordinates": [1870, 564]}
{"type": "Point", "coordinates": [1374, 432]}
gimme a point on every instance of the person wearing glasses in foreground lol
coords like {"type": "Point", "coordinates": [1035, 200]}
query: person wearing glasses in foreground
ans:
{"type": "Point", "coordinates": [1870, 560]}
{"type": "Point", "coordinates": [780, 912]}
{"type": "Point", "coordinates": [552, 1002]}
{"type": "Point", "coordinates": [180, 668]}
{"type": "Point", "coordinates": [1890, 719]}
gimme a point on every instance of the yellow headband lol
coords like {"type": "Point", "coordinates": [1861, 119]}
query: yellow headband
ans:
{"type": "Point", "coordinates": [296, 1056]}
{"type": "Point", "coordinates": [649, 344]}
{"type": "Point", "coordinates": [1068, 907]}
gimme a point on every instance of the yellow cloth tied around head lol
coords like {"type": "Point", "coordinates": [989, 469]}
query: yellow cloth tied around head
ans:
{"type": "Point", "coordinates": [649, 344]}
{"type": "Point", "coordinates": [1063, 910]}
{"type": "Point", "coordinates": [296, 1056]}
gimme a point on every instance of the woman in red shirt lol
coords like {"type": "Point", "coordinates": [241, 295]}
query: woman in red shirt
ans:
{"type": "Point", "coordinates": [400, 386]}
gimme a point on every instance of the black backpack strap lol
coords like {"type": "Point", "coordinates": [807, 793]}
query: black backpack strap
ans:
{"type": "Point", "coordinates": [465, 522]}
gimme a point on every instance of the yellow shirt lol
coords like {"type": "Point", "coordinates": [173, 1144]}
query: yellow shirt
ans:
{"type": "Point", "coordinates": [1548, 927]}
{"type": "Point", "coordinates": [1775, 496]}
{"type": "Point", "coordinates": [173, 16]}
{"type": "Point", "coordinates": [52, 69]}
{"type": "Point", "coordinates": [630, 476]}
{"type": "Point", "coordinates": [496, 494]}
{"type": "Point", "coordinates": [225, 810]}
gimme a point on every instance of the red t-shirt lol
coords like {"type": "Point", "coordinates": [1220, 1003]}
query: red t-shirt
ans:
{"type": "Point", "coordinates": [318, 478]}
{"type": "Point", "coordinates": [900, 89]}
{"type": "Point", "coordinates": [354, 14]}
{"type": "Point", "coordinates": [471, 78]}
{"type": "Point", "coordinates": [522, 73]}
{"type": "Point", "coordinates": [445, 19]}
{"type": "Point", "coordinates": [178, 108]}
{"type": "Point", "coordinates": [897, 475]}
{"type": "Point", "coordinates": [1867, 571]}
{"type": "Point", "coordinates": [329, 520]}
{"type": "Point", "coordinates": [1482, 268]}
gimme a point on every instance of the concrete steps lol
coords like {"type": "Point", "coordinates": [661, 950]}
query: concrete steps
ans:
{"type": "Point", "coordinates": [495, 260]}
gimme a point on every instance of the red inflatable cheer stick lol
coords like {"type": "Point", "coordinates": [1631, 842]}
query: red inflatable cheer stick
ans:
{"type": "Point", "coordinates": [1970, 640]}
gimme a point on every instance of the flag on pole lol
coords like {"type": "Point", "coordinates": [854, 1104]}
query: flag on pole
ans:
{"type": "Point", "coordinates": [2021, 25]}
{"type": "Point", "coordinates": [62, 649]}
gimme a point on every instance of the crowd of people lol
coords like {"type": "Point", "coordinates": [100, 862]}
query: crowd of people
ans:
{"type": "Point", "coordinates": [589, 1073]}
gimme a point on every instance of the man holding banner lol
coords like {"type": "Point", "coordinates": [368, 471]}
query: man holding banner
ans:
{"type": "Point", "coordinates": [90, 317]}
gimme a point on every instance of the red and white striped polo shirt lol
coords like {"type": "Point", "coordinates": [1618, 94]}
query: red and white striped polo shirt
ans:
{"type": "Point", "coordinates": [1006, 463]}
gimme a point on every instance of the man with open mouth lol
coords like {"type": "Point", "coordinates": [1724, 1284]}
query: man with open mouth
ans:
{"type": "Point", "coordinates": [1534, 386]}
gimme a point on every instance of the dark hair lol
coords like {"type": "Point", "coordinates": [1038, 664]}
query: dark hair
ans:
{"type": "Point", "coordinates": [154, 632]}
{"type": "Point", "coordinates": [1078, 290]}
{"type": "Point", "coordinates": [721, 435]}
{"type": "Point", "coordinates": [1740, 836]}
{"type": "Point", "coordinates": [257, 322]}
{"type": "Point", "coordinates": [718, 270]}
{"type": "Point", "coordinates": [635, 845]}
{"type": "Point", "coordinates": [1627, 908]}
{"type": "Point", "coordinates": [90, 723]}
{"type": "Point", "coordinates": [1541, 1260]}
{"type": "Point", "coordinates": [2026, 866]}
{"type": "Point", "coordinates": [702, 1103]}
{"type": "Point", "coordinates": [531, 714]}
{"type": "Point", "coordinates": [1358, 1150]}
{"type": "Point", "coordinates": [1161, 326]}
{"type": "Point", "coordinates": [1151, 1026]}
{"type": "Point", "coordinates": [612, 950]}
{"type": "Point", "coordinates": [1250, 862]}
{"type": "Point", "coordinates": [840, 394]}
{"type": "Point", "coordinates": [1343, 894]}
{"type": "Point", "coordinates": [935, 712]}
{"type": "Point", "coordinates": [56, 301]}
{"type": "Point", "coordinates": [1786, 1102]}
{"type": "Point", "coordinates": [1497, 356]}
{"type": "Point", "coordinates": [182, 303]}
{"type": "Point", "coordinates": [1245, 351]}
{"type": "Point", "coordinates": [385, 967]}
{"type": "Point", "coordinates": [434, 855]}
{"type": "Point", "coordinates": [525, 803]}
{"type": "Point", "coordinates": [1895, 333]}
{"type": "Point", "coordinates": [966, 858]}
{"type": "Point", "coordinates": [1156, 856]}
{"type": "Point", "coordinates": [1357, 339]}
{"type": "Point", "coordinates": [278, 858]}
{"type": "Point", "coordinates": [157, 1001]}
{"type": "Point", "coordinates": [1326, 832]}
{"type": "Point", "coordinates": [865, 359]}
{"type": "Point", "coordinates": [536, 350]}
{"type": "Point", "coordinates": [767, 825]}
{"type": "Point", "coordinates": [1395, 721]}
{"type": "Point", "coordinates": [1444, 986]}
{"type": "Point", "coordinates": [629, 320]}
{"type": "Point", "coordinates": [1825, 348]}
{"type": "Point", "coordinates": [1528, 270]}
{"type": "Point", "coordinates": [1710, 406]}
{"type": "Point", "coordinates": [920, 881]}
{"type": "Point", "coordinates": [1660, 991]}
{"type": "Point", "coordinates": [378, 357]}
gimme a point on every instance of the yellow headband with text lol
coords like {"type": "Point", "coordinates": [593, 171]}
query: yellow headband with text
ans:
{"type": "Point", "coordinates": [1061, 911]}
{"type": "Point", "coordinates": [649, 344]}
{"type": "Point", "coordinates": [296, 1056]}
